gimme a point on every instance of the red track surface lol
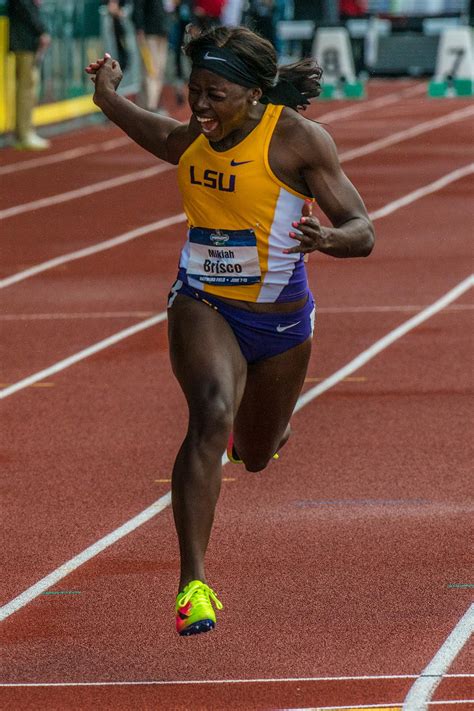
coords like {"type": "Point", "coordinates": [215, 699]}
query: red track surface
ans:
{"type": "Point", "coordinates": [335, 564]}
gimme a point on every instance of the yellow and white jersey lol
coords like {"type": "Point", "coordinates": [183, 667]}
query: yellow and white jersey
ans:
{"type": "Point", "coordinates": [239, 216]}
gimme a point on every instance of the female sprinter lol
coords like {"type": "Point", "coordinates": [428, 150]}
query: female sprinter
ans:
{"type": "Point", "coordinates": [240, 313]}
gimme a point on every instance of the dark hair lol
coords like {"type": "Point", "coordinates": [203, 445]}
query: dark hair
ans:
{"type": "Point", "coordinates": [260, 56]}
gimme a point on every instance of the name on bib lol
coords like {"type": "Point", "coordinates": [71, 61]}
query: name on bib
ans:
{"type": "Point", "coordinates": [223, 257]}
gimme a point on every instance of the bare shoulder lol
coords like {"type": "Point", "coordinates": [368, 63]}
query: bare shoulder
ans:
{"type": "Point", "coordinates": [180, 138]}
{"type": "Point", "coordinates": [306, 140]}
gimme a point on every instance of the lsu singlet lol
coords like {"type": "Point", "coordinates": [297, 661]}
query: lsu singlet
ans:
{"type": "Point", "coordinates": [239, 216]}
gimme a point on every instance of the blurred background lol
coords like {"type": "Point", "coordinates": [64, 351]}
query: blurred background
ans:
{"type": "Point", "coordinates": [387, 38]}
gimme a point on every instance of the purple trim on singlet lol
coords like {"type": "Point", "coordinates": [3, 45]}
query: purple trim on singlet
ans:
{"type": "Point", "coordinates": [297, 285]}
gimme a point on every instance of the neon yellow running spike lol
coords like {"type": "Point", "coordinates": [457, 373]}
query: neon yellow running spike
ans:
{"type": "Point", "coordinates": [194, 611]}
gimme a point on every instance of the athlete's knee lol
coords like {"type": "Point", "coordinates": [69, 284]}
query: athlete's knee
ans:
{"type": "Point", "coordinates": [212, 416]}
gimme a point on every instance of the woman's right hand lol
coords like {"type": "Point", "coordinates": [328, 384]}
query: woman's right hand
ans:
{"type": "Point", "coordinates": [105, 73]}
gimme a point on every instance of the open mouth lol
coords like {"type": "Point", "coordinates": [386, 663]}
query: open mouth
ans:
{"type": "Point", "coordinates": [208, 125]}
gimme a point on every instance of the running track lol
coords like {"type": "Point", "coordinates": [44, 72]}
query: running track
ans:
{"type": "Point", "coordinates": [344, 568]}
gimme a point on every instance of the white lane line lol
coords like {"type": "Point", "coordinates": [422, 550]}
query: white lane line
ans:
{"type": "Point", "coordinates": [85, 555]}
{"type": "Point", "coordinates": [452, 702]}
{"type": "Point", "coordinates": [70, 154]}
{"type": "Point", "coordinates": [82, 355]}
{"type": "Point", "coordinates": [367, 355]}
{"type": "Point", "coordinates": [73, 315]}
{"type": "Point", "coordinates": [384, 309]}
{"type": "Point", "coordinates": [94, 249]}
{"type": "Point", "coordinates": [141, 175]}
{"type": "Point", "coordinates": [381, 706]}
{"type": "Point", "coordinates": [419, 696]}
{"type": "Point", "coordinates": [187, 682]}
{"type": "Point", "coordinates": [371, 104]}
{"type": "Point", "coordinates": [407, 133]}
{"type": "Point", "coordinates": [421, 192]}
{"type": "Point", "coordinates": [264, 680]}
{"type": "Point", "coordinates": [61, 365]}
{"type": "Point", "coordinates": [86, 190]}
{"type": "Point", "coordinates": [384, 342]}
{"type": "Point", "coordinates": [140, 231]}
{"type": "Point", "coordinates": [113, 143]}
{"type": "Point", "coordinates": [146, 314]}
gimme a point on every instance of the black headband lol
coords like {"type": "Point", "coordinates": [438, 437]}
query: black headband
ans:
{"type": "Point", "coordinates": [224, 62]}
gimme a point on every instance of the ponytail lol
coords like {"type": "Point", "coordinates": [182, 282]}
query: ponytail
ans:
{"type": "Point", "coordinates": [302, 81]}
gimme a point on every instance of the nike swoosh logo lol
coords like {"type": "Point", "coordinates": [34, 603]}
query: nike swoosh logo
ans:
{"type": "Point", "coordinates": [239, 162]}
{"type": "Point", "coordinates": [280, 329]}
{"type": "Point", "coordinates": [218, 59]}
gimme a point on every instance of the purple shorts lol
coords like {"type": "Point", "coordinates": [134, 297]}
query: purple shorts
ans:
{"type": "Point", "coordinates": [259, 335]}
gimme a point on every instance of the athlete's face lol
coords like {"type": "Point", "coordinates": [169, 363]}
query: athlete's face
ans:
{"type": "Point", "coordinates": [219, 106]}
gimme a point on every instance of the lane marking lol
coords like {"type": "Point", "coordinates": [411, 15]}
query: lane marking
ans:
{"type": "Point", "coordinates": [146, 314]}
{"type": "Point", "coordinates": [91, 189]}
{"type": "Point", "coordinates": [384, 342]}
{"type": "Point", "coordinates": [69, 154]}
{"type": "Point", "coordinates": [38, 588]}
{"type": "Point", "coordinates": [75, 315]}
{"type": "Point", "coordinates": [61, 592]}
{"type": "Point", "coordinates": [162, 481]}
{"type": "Point", "coordinates": [94, 249]}
{"type": "Point", "coordinates": [82, 355]}
{"type": "Point", "coordinates": [377, 707]}
{"type": "Point", "coordinates": [370, 104]}
{"type": "Point", "coordinates": [373, 707]}
{"type": "Point", "coordinates": [181, 217]}
{"type": "Point", "coordinates": [35, 385]}
{"type": "Point", "coordinates": [111, 144]}
{"type": "Point", "coordinates": [420, 694]}
{"type": "Point", "coordinates": [364, 357]}
{"type": "Point", "coordinates": [32, 592]}
{"type": "Point", "coordinates": [371, 147]}
{"type": "Point", "coordinates": [391, 207]}
{"type": "Point", "coordinates": [186, 682]}
{"type": "Point", "coordinates": [407, 133]}
{"type": "Point", "coordinates": [422, 192]}
{"type": "Point", "coordinates": [346, 380]}
{"type": "Point", "coordinates": [384, 309]}
{"type": "Point", "coordinates": [365, 502]}
{"type": "Point", "coordinates": [266, 680]}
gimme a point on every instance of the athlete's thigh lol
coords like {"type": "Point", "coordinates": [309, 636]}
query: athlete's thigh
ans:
{"type": "Point", "coordinates": [270, 395]}
{"type": "Point", "coordinates": [205, 355]}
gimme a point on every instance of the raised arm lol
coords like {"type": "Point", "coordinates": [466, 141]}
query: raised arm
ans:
{"type": "Point", "coordinates": [165, 137]}
{"type": "Point", "coordinates": [352, 233]}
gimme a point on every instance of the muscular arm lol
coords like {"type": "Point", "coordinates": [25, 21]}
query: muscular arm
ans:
{"type": "Point", "coordinates": [352, 234]}
{"type": "Point", "coordinates": [315, 159]}
{"type": "Point", "coordinates": [165, 137]}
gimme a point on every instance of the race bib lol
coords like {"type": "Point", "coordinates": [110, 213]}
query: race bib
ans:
{"type": "Point", "coordinates": [223, 257]}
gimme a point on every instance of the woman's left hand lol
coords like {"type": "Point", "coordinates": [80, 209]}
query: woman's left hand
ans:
{"type": "Point", "coordinates": [310, 236]}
